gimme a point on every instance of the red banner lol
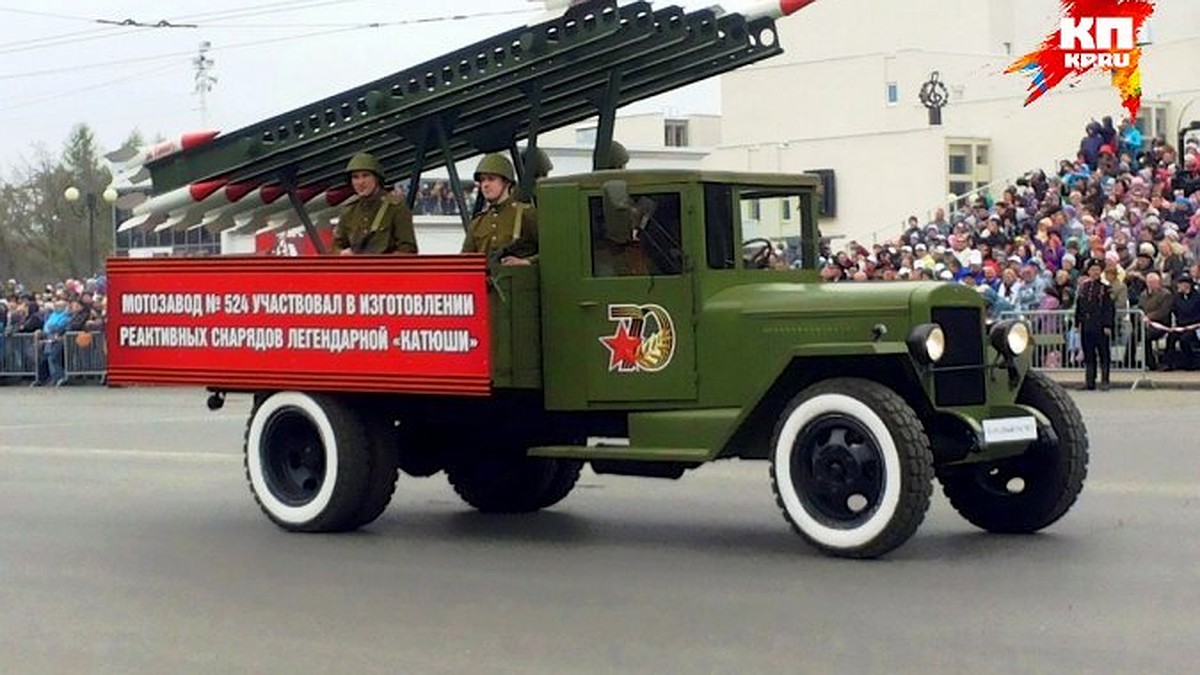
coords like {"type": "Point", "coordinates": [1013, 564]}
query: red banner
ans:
{"type": "Point", "coordinates": [344, 323]}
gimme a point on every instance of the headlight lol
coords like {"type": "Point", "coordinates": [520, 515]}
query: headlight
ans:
{"type": "Point", "coordinates": [1011, 337]}
{"type": "Point", "coordinates": [927, 343]}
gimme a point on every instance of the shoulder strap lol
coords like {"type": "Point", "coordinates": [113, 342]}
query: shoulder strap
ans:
{"type": "Point", "coordinates": [517, 225]}
{"type": "Point", "coordinates": [383, 207]}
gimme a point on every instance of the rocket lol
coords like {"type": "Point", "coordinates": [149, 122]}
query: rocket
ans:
{"type": "Point", "coordinates": [774, 9]}
{"type": "Point", "coordinates": [321, 209]}
{"type": "Point", "coordinates": [147, 153]}
{"type": "Point", "coordinates": [175, 202]}
{"type": "Point", "coordinates": [240, 201]}
{"type": "Point", "coordinates": [258, 217]}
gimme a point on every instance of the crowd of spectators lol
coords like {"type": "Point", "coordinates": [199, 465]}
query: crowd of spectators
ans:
{"type": "Point", "coordinates": [38, 322]}
{"type": "Point", "coordinates": [435, 198]}
{"type": "Point", "coordinates": [1128, 203]}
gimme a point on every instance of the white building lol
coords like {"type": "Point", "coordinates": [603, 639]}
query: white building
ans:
{"type": "Point", "coordinates": [844, 97]}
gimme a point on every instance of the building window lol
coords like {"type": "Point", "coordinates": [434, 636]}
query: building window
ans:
{"type": "Point", "coordinates": [786, 208]}
{"type": "Point", "coordinates": [960, 160]}
{"type": "Point", "coordinates": [755, 210]}
{"type": "Point", "coordinates": [968, 171]}
{"type": "Point", "coordinates": [893, 93]}
{"type": "Point", "coordinates": [1152, 122]}
{"type": "Point", "coordinates": [675, 133]}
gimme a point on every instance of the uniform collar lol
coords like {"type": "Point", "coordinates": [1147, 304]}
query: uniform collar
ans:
{"type": "Point", "coordinates": [500, 205]}
{"type": "Point", "coordinates": [371, 199]}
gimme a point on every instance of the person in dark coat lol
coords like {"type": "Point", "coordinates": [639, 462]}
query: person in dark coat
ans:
{"type": "Point", "coordinates": [1095, 316]}
{"type": "Point", "coordinates": [1183, 343]}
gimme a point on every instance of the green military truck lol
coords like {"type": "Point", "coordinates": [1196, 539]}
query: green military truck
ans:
{"type": "Point", "coordinates": [652, 337]}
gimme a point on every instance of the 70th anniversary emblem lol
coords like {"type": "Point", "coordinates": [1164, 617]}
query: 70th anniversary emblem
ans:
{"type": "Point", "coordinates": [644, 340]}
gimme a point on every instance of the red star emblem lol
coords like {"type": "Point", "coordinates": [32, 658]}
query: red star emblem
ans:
{"type": "Point", "coordinates": [622, 348]}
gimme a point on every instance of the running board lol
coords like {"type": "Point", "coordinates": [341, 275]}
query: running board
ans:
{"type": "Point", "coordinates": [622, 453]}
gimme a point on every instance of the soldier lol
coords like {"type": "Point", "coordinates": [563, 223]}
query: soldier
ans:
{"type": "Point", "coordinates": [505, 228]}
{"type": "Point", "coordinates": [541, 166]}
{"type": "Point", "coordinates": [618, 157]}
{"type": "Point", "coordinates": [1095, 316]}
{"type": "Point", "coordinates": [376, 222]}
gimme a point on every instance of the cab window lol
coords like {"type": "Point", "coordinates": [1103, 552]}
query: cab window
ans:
{"type": "Point", "coordinates": [635, 234]}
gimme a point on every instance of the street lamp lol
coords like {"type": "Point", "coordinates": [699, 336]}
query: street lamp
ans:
{"type": "Point", "coordinates": [109, 195]}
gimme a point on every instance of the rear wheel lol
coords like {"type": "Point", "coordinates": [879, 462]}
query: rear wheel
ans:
{"type": "Point", "coordinates": [307, 462]}
{"type": "Point", "coordinates": [383, 455]}
{"type": "Point", "coordinates": [511, 482]}
{"type": "Point", "coordinates": [1029, 492]}
{"type": "Point", "coordinates": [851, 467]}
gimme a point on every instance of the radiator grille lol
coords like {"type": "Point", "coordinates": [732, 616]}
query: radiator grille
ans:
{"type": "Point", "coordinates": [958, 378]}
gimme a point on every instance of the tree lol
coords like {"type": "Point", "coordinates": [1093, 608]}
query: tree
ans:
{"type": "Point", "coordinates": [81, 159]}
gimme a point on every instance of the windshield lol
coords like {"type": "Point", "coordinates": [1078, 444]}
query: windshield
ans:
{"type": "Point", "coordinates": [762, 228]}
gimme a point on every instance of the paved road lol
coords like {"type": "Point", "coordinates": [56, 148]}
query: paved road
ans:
{"type": "Point", "coordinates": [129, 544]}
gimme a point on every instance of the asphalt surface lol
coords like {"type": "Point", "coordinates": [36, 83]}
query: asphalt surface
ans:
{"type": "Point", "coordinates": [129, 544]}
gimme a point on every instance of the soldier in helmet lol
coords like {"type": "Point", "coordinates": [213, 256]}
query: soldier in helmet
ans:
{"type": "Point", "coordinates": [541, 165]}
{"type": "Point", "coordinates": [505, 227]}
{"type": "Point", "coordinates": [618, 157]}
{"type": "Point", "coordinates": [376, 222]}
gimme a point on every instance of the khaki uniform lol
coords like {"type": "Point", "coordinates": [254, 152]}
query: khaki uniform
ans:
{"type": "Point", "coordinates": [494, 228]}
{"type": "Point", "coordinates": [358, 230]}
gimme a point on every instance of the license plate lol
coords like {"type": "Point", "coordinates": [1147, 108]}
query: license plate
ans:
{"type": "Point", "coordinates": [1007, 429]}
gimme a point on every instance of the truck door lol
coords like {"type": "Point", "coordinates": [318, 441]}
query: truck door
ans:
{"type": "Point", "coordinates": [634, 307]}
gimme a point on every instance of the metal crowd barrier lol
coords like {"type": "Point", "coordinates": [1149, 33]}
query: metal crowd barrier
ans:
{"type": "Point", "coordinates": [85, 355]}
{"type": "Point", "coordinates": [1057, 345]}
{"type": "Point", "coordinates": [20, 355]}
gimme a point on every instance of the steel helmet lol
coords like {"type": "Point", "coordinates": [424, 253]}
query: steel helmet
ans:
{"type": "Point", "coordinates": [365, 161]}
{"type": "Point", "coordinates": [618, 156]}
{"type": "Point", "coordinates": [541, 165]}
{"type": "Point", "coordinates": [496, 164]}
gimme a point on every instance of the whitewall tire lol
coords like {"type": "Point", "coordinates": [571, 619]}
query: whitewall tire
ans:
{"type": "Point", "coordinates": [306, 459]}
{"type": "Point", "coordinates": [851, 467]}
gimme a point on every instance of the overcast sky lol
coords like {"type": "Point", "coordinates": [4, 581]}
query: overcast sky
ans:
{"type": "Point", "coordinates": [60, 67]}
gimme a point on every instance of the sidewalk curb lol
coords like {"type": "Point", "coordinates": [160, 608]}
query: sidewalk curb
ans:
{"type": "Point", "coordinates": [1148, 383]}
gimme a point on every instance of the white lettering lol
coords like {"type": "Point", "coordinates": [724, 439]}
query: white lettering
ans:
{"type": "Point", "coordinates": [306, 304]}
{"type": "Point", "coordinates": [1077, 35]}
{"type": "Point", "coordinates": [258, 339]}
{"type": "Point", "coordinates": [409, 304]}
{"type": "Point", "coordinates": [173, 337]}
{"type": "Point", "coordinates": [1121, 27]}
{"type": "Point", "coordinates": [444, 341]}
{"type": "Point", "coordinates": [190, 304]}
{"type": "Point", "coordinates": [1085, 61]}
{"type": "Point", "coordinates": [337, 340]}
{"type": "Point", "coordinates": [1071, 34]}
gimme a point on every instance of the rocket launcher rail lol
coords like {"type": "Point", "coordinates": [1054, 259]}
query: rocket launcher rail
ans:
{"type": "Point", "coordinates": [590, 61]}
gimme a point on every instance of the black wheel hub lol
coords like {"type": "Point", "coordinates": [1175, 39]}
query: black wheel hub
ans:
{"type": "Point", "coordinates": [293, 456]}
{"type": "Point", "coordinates": [837, 470]}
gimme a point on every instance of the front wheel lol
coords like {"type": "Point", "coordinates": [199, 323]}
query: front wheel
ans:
{"type": "Point", "coordinates": [307, 462]}
{"type": "Point", "coordinates": [851, 467]}
{"type": "Point", "coordinates": [1026, 493]}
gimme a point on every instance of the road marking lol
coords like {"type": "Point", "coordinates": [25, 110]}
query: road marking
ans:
{"type": "Point", "coordinates": [1142, 488]}
{"type": "Point", "coordinates": [208, 419]}
{"type": "Point", "coordinates": [42, 451]}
